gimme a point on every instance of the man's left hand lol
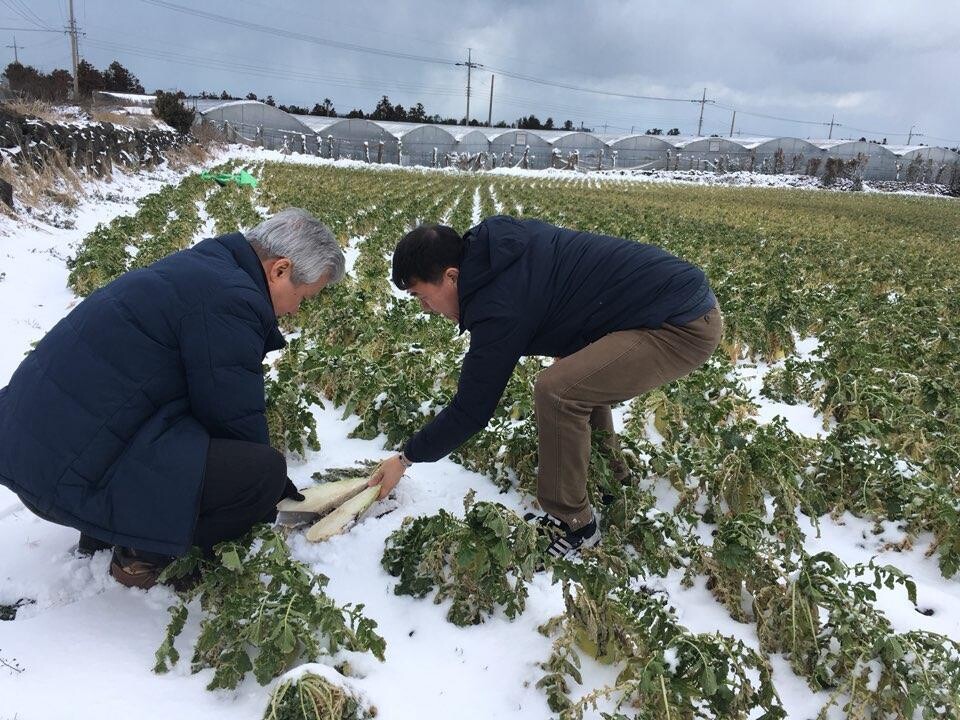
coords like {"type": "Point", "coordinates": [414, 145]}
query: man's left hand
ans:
{"type": "Point", "coordinates": [290, 491]}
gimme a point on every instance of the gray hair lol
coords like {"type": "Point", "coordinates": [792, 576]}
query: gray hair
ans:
{"type": "Point", "coordinates": [297, 235]}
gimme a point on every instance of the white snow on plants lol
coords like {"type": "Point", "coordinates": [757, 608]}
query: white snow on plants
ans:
{"type": "Point", "coordinates": [86, 645]}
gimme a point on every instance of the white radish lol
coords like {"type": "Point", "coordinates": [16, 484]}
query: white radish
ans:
{"type": "Point", "coordinates": [323, 497]}
{"type": "Point", "coordinates": [337, 521]}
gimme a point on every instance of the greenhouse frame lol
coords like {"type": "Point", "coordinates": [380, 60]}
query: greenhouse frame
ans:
{"type": "Point", "coordinates": [437, 145]}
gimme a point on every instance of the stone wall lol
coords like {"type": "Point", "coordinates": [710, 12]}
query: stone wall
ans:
{"type": "Point", "coordinates": [95, 147]}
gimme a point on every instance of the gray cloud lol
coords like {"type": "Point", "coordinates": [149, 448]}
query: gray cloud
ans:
{"type": "Point", "coordinates": [878, 65]}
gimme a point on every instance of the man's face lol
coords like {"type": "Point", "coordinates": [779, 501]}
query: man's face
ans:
{"type": "Point", "coordinates": [284, 294]}
{"type": "Point", "coordinates": [439, 297]}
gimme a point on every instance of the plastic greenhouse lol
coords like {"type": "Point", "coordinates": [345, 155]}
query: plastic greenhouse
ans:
{"type": "Point", "coordinates": [254, 122]}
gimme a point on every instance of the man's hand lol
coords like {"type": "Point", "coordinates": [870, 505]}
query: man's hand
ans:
{"type": "Point", "coordinates": [290, 491]}
{"type": "Point", "coordinates": [387, 475]}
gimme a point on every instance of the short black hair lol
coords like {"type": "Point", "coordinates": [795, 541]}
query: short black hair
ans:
{"type": "Point", "coordinates": [424, 253]}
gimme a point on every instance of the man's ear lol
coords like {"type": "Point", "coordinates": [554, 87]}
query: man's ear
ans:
{"type": "Point", "coordinates": [279, 268]}
{"type": "Point", "coordinates": [452, 274]}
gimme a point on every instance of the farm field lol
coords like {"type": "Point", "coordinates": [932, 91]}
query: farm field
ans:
{"type": "Point", "coordinates": [789, 545]}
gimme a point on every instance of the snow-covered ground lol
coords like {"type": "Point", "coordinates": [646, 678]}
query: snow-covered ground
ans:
{"type": "Point", "coordinates": [86, 645]}
{"type": "Point", "coordinates": [624, 175]}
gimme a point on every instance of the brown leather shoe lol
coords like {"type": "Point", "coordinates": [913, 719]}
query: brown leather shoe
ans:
{"type": "Point", "coordinates": [130, 569]}
{"type": "Point", "coordinates": [133, 568]}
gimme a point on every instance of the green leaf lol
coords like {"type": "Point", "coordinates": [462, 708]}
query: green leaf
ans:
{"type": "Point", "coordinates": [231, 560]}
{"type": "Point", "coordinates": [708, 681]}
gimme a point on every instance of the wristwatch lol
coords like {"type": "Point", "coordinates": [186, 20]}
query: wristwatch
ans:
{"type": "Point", "coordinates": [403, 461]}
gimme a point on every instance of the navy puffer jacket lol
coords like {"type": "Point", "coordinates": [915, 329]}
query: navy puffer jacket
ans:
{"type": "Point", "coordinates": [530, 288]}
{"type": "Point", "coordinates": [105, 425]}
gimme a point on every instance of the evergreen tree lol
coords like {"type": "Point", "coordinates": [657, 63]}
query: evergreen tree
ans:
{"type": "Point", "coordinates": [169, 109]}
{"type": "Point", "coordinates": [324, 109]}
{"type": "Point", "coordinates": [383, 111]}
{"type": "Point", "coordinates": [531, 122]}
{"type": "Point", "coordinates": [60, 85]}
{"type": "Point", "coordinates": [117, 78]}
{"type": "Point", "coordinates": [28, 82]}
{"type": "Point", "coordinates": [417, 114]}
{"type": "Point", "coordinates": [90, 79]}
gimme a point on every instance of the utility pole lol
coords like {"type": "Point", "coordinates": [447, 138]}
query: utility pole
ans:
{"type": "Point", "coordinates": [732, 121]}
{"type": "Point", "coordinates": [909, 136]}
{"type": "Point", "coordinates": [470, 65]}
{"type": "Point", "coordinates": [830, 136]}
{"type": "Point", "coordinates": [74, 53]}
{"type": "Point", "coordinates": [15, 46]}
{"type": "Point", "coordinates": [490, 111]}
{"type": "Point", "coordinates": [702, 103]}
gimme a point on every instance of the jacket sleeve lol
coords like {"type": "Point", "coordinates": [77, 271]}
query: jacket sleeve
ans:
{"type": "Point", "coordinates": [496, 345]}
{"type": "Point", "coordinates": [222, 352]}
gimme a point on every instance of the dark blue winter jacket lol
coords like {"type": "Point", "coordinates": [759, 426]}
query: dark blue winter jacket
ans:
{"type": "Point", "coordinates": [105, 425]}
{"type": "Point", "coordinates": [530, 288]}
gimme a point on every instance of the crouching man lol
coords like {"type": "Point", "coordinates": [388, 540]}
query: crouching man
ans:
{"type": "Point", "coordinates": [139, 419]}
{"type": "Point", "coordinates": [622, 318]}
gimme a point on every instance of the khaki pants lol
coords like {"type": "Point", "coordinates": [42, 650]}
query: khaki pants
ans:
{"type": "Point", "coordinates": [573, 396]}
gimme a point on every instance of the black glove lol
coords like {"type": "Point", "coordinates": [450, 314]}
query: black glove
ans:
{"type": "Point", "coordinates": [290, 491]}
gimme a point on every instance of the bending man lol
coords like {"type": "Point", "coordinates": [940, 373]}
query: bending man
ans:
{"type": "Point", "coordinates": [622, 318]}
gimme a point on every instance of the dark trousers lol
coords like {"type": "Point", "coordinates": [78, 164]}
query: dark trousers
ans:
{"type": "Point", "coordinates": [242, 485]}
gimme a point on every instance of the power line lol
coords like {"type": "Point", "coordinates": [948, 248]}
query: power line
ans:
{"type": "Point", "coordinates": [947, 140]}
{"type": "Point", "coordinates": [589, 115]}
{"type": "Point", "coordinates": [271, 72]}
{"type": "Point", "coordinates": [366, 29]}
{"type": "Point", "coordinates": [887, 133]}
{"type": "Point", "coordinates": [768, 117]}
{"type": "Point", "coordinates": [23, 29]}
{"type": "Point", "coordinates": [45, 43]}
{"type": "Point", "coordinates": [26, 13]}
{"type": "Point", "coordinates": [291, 35]}
{"type": "Point", "coordinates": [237, 65]}
{"type": "Point", "coordinates": [30, 13]}
{"type": "Point", "coordinates": [578, 88]}
{"type": "Point", "coordinates": [390, 53]}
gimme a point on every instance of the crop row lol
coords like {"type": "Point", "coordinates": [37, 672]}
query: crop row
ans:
{"type": "Point", "coordinates": [873, 279]}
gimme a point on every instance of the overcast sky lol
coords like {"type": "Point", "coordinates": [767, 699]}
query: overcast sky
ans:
{"type": "Point", "coordinates": [879, 67]}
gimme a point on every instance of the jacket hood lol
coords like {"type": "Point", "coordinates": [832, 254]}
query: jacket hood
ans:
{"type": "Point", "coordinates": [492, 246]}
{"type": "Point", "coordinates": [247, 259]}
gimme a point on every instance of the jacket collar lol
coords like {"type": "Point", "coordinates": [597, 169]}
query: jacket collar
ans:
{"type": "Point", "coordinates": [247, 259]}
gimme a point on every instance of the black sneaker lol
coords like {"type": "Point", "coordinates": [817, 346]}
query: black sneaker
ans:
{"type": "Point", "coordinates": [88, 545]}
{"type": "Point", "coordinates": [609, 495]}
{"type": "Point", "coordinates": [565, 542]}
